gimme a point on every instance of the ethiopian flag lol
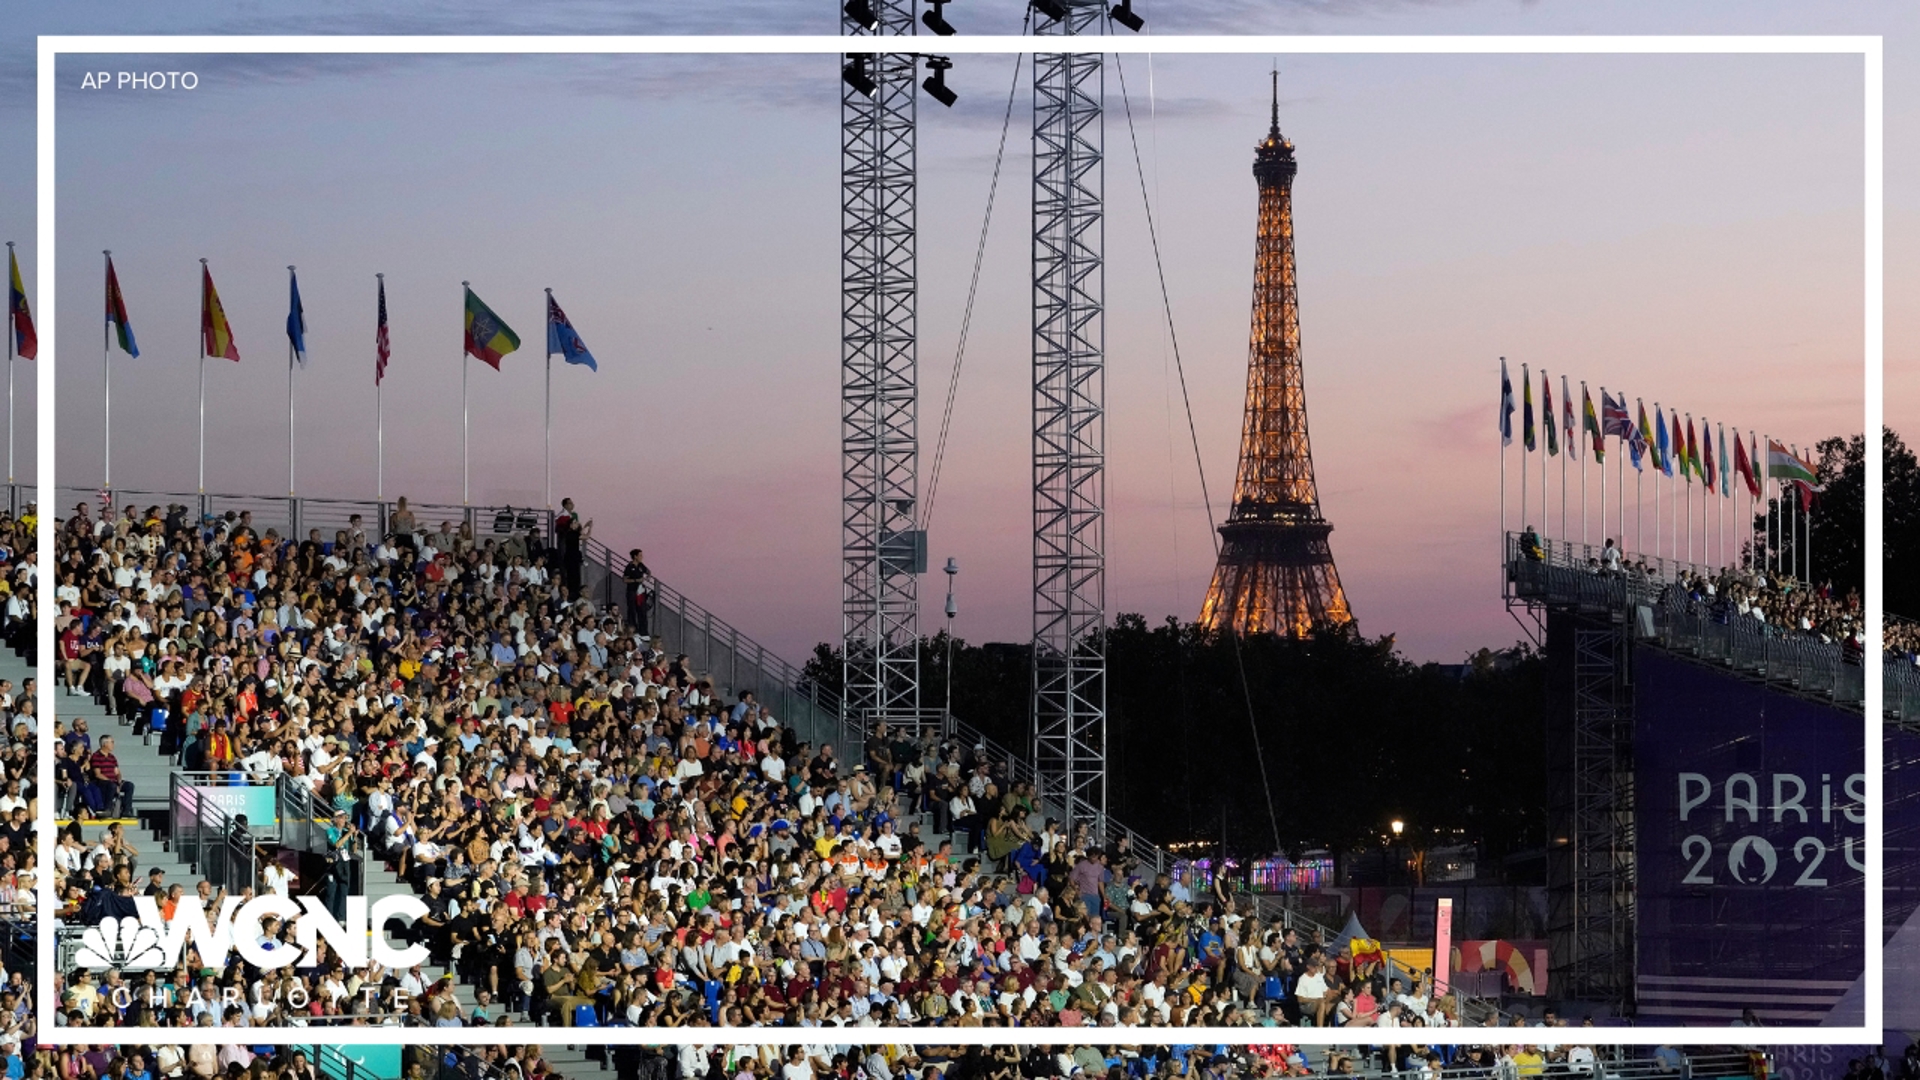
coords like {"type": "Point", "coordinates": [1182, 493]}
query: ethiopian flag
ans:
{"type": "Point", "coordinates": [26, 342]}
{"type": "Point", "coordinates": [216, 336]}
{"type": "Point", "coordinates": [117, 312]}
{"type": "Point", "coordinates": [488, 338]}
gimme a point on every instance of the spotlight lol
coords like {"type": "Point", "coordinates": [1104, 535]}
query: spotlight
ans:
{"type": "Point", "coordinates": [1052, 9]}
{"type": "Point", "coordinates": [861, 12]}
{"type": "Point", "coordinates": [937, 22]}
{"type": "Point", "coordinates": [1122, 13]}
{"type": "Point", "coordinates": [936, 83]}
{"type": "Point", "coordinates": [855, 75]}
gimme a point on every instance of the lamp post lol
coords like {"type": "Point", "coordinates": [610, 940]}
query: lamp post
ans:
{"type": "Point", "coordinates": [946, 720]}
{"type": "Point", "coordinates": [1399, 827]}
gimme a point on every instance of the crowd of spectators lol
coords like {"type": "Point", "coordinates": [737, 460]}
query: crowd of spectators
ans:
{"type": "Point", "coordinates": [500, 1061]}
{"type": "Point", "coordinates": [1769, 597]}
{"type": "Point", "coordinates": [599, 832]}
{"type": "Point", "coordinates": [1902, 640]}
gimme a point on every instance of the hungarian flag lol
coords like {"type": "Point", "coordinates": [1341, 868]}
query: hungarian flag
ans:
{"type": "Point", "coordinates": [1591, 423]}
{"type": "Point", "coordinates": [25, 342]}
{"type": "Point", "coordinates": [1526, 412]}
{"type": "Point", "coordinates": [117, 312]}
{"type": "Point", "coordinates": [1744, 466]}
{"type": "Point", "coordinates": [382, 349]}
{"type": "Point", "coordinates": [216, 337]}
{"type": "Point", "coordinates": [1546, 414]}
{"type": "Point", "coordinates": [488, 338]}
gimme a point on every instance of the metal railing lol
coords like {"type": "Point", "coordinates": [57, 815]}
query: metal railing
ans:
{"type": "Point", "coordinates": [1566, 574]}
{"type": "Point", "coordinates": [205, 837]}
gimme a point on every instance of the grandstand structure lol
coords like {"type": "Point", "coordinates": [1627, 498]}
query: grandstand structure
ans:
{"type": "Point", "coordinates": [1601, 627]}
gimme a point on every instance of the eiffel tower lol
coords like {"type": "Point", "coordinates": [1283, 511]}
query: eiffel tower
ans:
{"type": "Point", "coordinates": [1276, 572]}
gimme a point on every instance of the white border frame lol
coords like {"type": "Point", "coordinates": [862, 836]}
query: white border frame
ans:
{"type": "Point", "coordinates": [1868, 47]}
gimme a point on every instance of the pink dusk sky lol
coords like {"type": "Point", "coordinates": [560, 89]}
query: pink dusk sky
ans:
{"type": "Point", "coordinates": [1687, 229]}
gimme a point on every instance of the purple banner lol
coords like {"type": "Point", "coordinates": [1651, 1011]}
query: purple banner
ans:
{"type": "Point", "coordinates": [1748, 829]}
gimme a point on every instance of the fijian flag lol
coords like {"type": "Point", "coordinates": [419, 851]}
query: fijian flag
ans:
{"type": "Point", "coordinates": [381, 349]}
{"type": "Point", "coordinates": [563, 339]}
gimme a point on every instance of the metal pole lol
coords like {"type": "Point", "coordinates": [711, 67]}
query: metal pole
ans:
{"type": "Point", "coordinates": [379, 419]}
{"type": "Point", "coordinates": [10, 335]}
{"type": "Point", "coordinates": [106, 364]}
{"type": "Point", "coordinates": [203, 377]}
{"type": "Point", "coordinates": [1524, 383]}
{"type": "Point", "coordinates": [549, 411]}
{"type": "Point", "coordinates": [465, 286]}
{"type": "Point", "coordinates": [290, 363]}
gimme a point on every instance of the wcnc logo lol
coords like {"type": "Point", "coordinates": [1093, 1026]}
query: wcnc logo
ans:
{"type": "Point", "coordinates": [149, 941]}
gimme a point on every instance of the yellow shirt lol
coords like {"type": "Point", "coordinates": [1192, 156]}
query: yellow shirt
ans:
{"type": "Point", "coordinates": [1529, 1063]}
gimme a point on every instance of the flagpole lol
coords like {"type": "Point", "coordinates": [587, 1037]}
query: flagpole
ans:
{"type": "Point", "coordinates": [1505, 427]}
{"type": "Point", "coordinates": [379, 419]}
{"type": "Point", "coordinates": [203, 376]}
{"type": "Point", "coordinates": [1525, 393]}
{"type": "Point", "coordinates": [466, 286]}
{"type": "Point", "coordinates": [549, 423]}
{"type": "Point", "coordinates": [290, 359]}
{"type": "Point", "coordinates": [106, 364]}
{"type": "Point", "coordinates": [1657, 470]}
{"type": "Point", "coordinates": [11, 316]}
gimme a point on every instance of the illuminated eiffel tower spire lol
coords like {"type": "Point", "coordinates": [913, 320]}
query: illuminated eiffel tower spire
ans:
{"type": "Point", "coordinates": [1276, 572]}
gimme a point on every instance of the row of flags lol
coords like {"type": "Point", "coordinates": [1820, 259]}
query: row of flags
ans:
{"type": "Point", "coordinates": [488, 337]}
{"type": "Point", "coordinates": [1660, 441]}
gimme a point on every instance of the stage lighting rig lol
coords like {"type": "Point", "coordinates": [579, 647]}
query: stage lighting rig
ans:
{"type": "Point", "coordinates": [936, 83]}
{"type": "Point", "coordinates": [937, 22]}
{"type": "Point", "coordinates": [1122, 13]}
{"type": "Point", "coordinates": [862, 14]}
{"type": "Point", "coordinates": [855, 75]}
{"type": "Point", "coordinates": [1052, 9]}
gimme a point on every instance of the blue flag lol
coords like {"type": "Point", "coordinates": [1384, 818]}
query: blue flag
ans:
{"type": "Point", "coordinates": [296, 318]}
{"type": "Point", "coordinates": [562, 339]}
{"type": "Point", "coordinates": [1664, 459]}
{"type": "Point", "coordinates": [1506, 405]}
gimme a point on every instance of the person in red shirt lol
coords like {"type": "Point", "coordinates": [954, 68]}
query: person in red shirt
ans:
{"type": "Point", "coordinates": [112, 795]}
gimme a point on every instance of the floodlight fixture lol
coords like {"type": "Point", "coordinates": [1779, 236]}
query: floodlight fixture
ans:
{"type": "Point", "coordinates": [1122, 13]}
{"type": "Point", "coordinates": [1398, 828]}
{"type": "Point", "coordinates": [862, 14]}
{"type": "Point", "coordinates": [936, 83]}
{"type": "Point", "coordinates": [855, 75]}
{"type": "Point", "coordinates": [1052, 9]}
{"type": "Point", "coordinates": [937, 22]}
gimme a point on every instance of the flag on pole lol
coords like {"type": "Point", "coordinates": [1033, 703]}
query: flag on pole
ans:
{"type": "Point", "coordinates": [1566, 420]}
{"type": "Point", "coordinates": [562, 339]}
{"type": "Point", "coordinates": [1591, 423]}
{"type": "Point", "coordinates": [1692, 460]}
{"type": "Point", "coordinates": [1711, 476]}
{"type": "Point", "coordinates": [1526, 412]}
{"type": "Point", "coordinates": [1663, 448]}
{"type": "Point", "coordinates": [1641, 440]}
{"type": "Point", "coordinates": [117, 312]}
{"type": "Point", "coordinates": [25, 342]}
{"type": "Point", "coordinates": [488, 338]}
{"type": "Point", "coordinates": [216, 336]}
{"type": "Point", "coordinates": [1506, 405]}
{"type": "Point", "coordinates": [1547, 419]}
{"type": "Point", "coordinates": [296, 319]}
{"type": "Point", "coordinates": [1744, 466]}
{"type": "Point", "coordinates": [1727, 479]}
{"type": "Point", "coordinates": [382, 349]}
{"type": "Point", "coordinates": [1783, 464]}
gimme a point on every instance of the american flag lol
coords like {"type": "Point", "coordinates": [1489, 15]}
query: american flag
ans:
{"type": "Point", "coordinates": [381, 349]}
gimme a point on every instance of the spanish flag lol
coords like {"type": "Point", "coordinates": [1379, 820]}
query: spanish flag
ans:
{"type": "Point", "coordinates": [216, 337]}
{"type": "Point", "coordinates": [26, 342]}
{"type": "Point", "coordinates": [488, 338]}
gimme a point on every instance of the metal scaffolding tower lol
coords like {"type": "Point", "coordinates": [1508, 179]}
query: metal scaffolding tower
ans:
{"type": "Point", "coordinates": [1069, 423]}
{"type": "Point", "coordinates": [882, 551]}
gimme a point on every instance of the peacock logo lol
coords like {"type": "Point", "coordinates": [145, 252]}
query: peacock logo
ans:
{"type": "Point", "coordinates": [124, 943]}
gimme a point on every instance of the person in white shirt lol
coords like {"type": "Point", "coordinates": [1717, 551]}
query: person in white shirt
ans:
{"type": "Point", "coordinates": [279, 879]}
